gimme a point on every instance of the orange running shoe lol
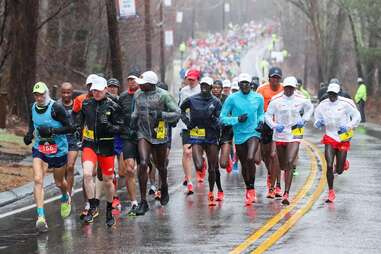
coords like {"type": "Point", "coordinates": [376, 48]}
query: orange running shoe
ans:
{"type": "Point", "coordinates": [229, 167]}
{"type": "Point", "coordinates": [253, 196]}
{"type": "Point", "coordinates": [285, 200]}
{"type": "Point", "coordinates": [278, 192]}
{"type": "Point", "coordinates": [268, 181]}
{"type": "Point", "coordinates": [346, 165]}
{"type": "Point", "coordinates": [220, 196]}
{"type": "Point", "coordinates": [249, 197]}
{"type": "Point", "coordinates": [157, 195]}
{"type": "Point", "coordinates": [190, 188]}
{"type": "Point", "coordinates": [116, 204]}
{"type": "Point", "coordinates": [271, 194]}
{"type": "Point", "coordinates": [199, 176]}
{"type": "Point", "coordinates": [211, 201]}
{"type": "Point", "coordinates": [331, 196]}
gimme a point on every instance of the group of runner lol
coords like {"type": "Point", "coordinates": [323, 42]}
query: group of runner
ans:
{"type": "Point", "coordinates": [265, 123]}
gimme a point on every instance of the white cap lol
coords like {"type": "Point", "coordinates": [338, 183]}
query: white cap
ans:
{"type": "Point", "coordinates": [98, 83]}
{"type": "Point", "coordinates": [90, 79]}
{"type": "Point", "coordinates": [226, 83]}
{"type": "Point", "coordinates": [148, 77]}
{"type": "Point", "coordinates": [132, 77]}
{"type": "Point", "coordinates": [244, 77]}
{"type": "Point", "coordinates": [290, 81]}
{"type": "Point", "coordinates": [333, 87]}
{"type": "Point", "coordinates": [359, 79]}
{"type": "Point", "coordinates": [207, 80]}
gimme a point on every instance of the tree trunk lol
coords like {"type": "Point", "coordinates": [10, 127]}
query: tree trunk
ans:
{"type": "Point", "coordinates": [113, 35]}
{"type": "Point", "coordinates": [334, 63]}
{"type": "Point", "coordinates": [148, 37]}
{"type": "Point", "coordinates": [360, 71]}
{"type": "Point", "coordinates": [23, 60]}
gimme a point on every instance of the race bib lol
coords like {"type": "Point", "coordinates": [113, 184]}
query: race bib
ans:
{"type": "Point", "coordinates": [161, 130]}
{"type": "Point", "coordinates": [345, 136]}
{"type": "Point", "coordinates": [197, 133]}
{"type": "Point", "coordinates": [297, 133]}
{"type": "Point", "coordinates": [47, 148]}
{"type": "Point", "coordinates": [88, 134]}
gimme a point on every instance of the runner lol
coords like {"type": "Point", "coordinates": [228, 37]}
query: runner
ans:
{"type": "Point", "coordinates": [73, 138]}
{"type": "Point", "coordinates": [339, 116]}
{"type": "Point", "coordinates": [47, 126]}
{"type": "Point", "coordinates": [244, 110]}
{"type": "Point", "coordinates": [99, 120]}
{"type": "Point", "coordinates": [268, 148]}
{"type": "Point", "coordinates": [226, 88]}
{"type": "Point", "coordinates": [154, 110]}
{"type": "Point", "coordinates": [204, 129]}
{"type": "Point", "coordinates": [284, 116]}
{"type": "Point", "coordinates": [192, 88]}
{"type": "Point", "coordinates": [130, 142]}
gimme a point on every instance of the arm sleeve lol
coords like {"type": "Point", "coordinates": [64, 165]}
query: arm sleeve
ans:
{"type": "Point", "coordinates": [308, 110]}
{"type": "Point", "coordinates": [355, 116]}
{"type": "Point", "coordinates": [172, 114]}
{"type": "Point", "coordinates": [318, 115]}
{"type": "Point", "coordinates": [134, 115]}
{"type": "Point", "coordinates": [270, 114]}
{"type": "Point", "coordinates": [59, 114]}
{"type": "Point", "coordinates": [225, 117]}
{"type": "Point", "coordinates": [30, 124]}
{"type": "Point", "coordinates": [184, 106]}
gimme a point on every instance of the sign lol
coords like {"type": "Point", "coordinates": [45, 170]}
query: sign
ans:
{"type": "Point", "coordinates": [227, 7]}
{"type": "Point", "coordinates": [168, 38]}
{"type": "Point", "coordinates": [167, 2]}
{"type": "Point", "coordinates": [179, 17]}
{"type": "Point", "coordinates": [127, 8]}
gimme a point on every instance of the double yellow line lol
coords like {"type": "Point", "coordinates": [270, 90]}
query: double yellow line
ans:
{"type": "Point", "coordinates": [297, 215]}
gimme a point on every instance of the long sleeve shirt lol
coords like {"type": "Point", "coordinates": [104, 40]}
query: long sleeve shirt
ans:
{"type": "Point", "coordinates": [287, 112]}
{"type": "Point", "coordinates": [361, 93]}
{"type": "Point", "coordinates": [238, 104]}
{"type": "Point", "coordinates": [342, 112]}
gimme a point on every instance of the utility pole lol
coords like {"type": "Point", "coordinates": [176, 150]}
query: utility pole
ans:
{"type": "Point", "coordinates": [147, 28]}
{"type": "Point", "coordinates": [113, 36]}
{"type": "Point", "coordinates": [162, 42]}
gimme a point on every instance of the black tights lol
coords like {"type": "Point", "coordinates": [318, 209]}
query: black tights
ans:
{"type": "Point", "coordinates": [330, 155]}
{"type": "Point", "coordinates": [212, 155]}
{"type": "Point", "coordinates": [287, 155]}
{"type": "Point", "coordinates": [246, 155]}
{"type": "Point", "coordinates": [159, 156]}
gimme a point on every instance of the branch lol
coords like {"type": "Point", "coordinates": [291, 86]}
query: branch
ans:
{"type": "Point", "coordinates": [301, 6]}
{"type": "Point", "coordinates": [4, 22]}
{"type": "Point", "coordinates": [63, 6]}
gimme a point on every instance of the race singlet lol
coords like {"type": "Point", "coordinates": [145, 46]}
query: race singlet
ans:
{"type": "Point", "coordinates": [297, 132]}
{"type": "Point", "coordinates": [197, 133]}
{"type": "Point", "coordinates": [161, 130]}
{"type": "Point", "coordinates": [88, 134]}
{"type": "Point", "coordinates": [345, 136]}
{"type": "Point", "coordinates": [47, 147]}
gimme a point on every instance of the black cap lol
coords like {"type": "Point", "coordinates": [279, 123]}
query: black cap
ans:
{"type": "Point", "coordinates": [162, 85]}
{"type": "Point", "coordinates": [218, 82]}
{"type": "Point", "coordinates": [275, 71]}
{"type": "Point", "coordinates": [113, 82]}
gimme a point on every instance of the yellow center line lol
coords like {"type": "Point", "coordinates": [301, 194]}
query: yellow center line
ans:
{"type": "Point", "coordinates": [275, 219]}
{"type": "Point", "coordinates": [299, 213]}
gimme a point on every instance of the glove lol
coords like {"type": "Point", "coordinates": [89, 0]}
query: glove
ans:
{"type": "Point", "coordinates": [242, 118]}
{"type": "Point", "coordinates": [279, 128]}
{"type": "Point", "coordinates": [319, 124]}
{"type": "Point", "coordinates": [28, 138]}
{"type": "Point", "coordinates": [190, 126]}
{"type": "Point", "coordinates": [343, 129]}
{"type": "Point", "coordinates": [260, 127]}
{"type": "Point", "coordinates": [45, 132]}
{"type": "Point", "coordinates": [156, 114]}
{"type": "Point", "coordinates": [300, 123]}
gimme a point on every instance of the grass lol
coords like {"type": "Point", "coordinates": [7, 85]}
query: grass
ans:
{"type": "Point", "coordinates": [10, 138]}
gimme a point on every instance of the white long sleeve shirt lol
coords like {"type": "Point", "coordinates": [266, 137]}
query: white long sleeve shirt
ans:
{"type": "Point", "coordinates": [186, 92]}
{"type": "Point", "coordinates": [342, 112]}
{"type": "Point", "coordinates": [287, 111]}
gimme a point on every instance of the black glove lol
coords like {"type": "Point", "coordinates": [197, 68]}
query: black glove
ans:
{"type": "Point", "coordinates": [45, 132]}
{"type": "Point", "coordinates": [242, 118]}
{"type": "Point", "coordinates": [260, 127]}
{"type": "Point", "coordinates": [28, 138]}
{"type": "Point", "coordinates": [156, 114]}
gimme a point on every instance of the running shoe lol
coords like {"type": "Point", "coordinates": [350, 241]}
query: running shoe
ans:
{"type": "Point", "coordinates": [66, 208]}
{"type": "Point", "coordinates": [199, 177]}
{"type": "Point", "coordinates": [152, 190]}
{"type": "Point", "coordinates": [331, 196]}
{"type": "Point", "coordinates": [249, 197]}
{"type": "Point", "coordinates": [295, 172]}
{"type": "Point", "coordinates": [278, 192]}
{"type": "Point", "coordinates": [253, 196]}
{"type": "Point", "coordinates": [271, 194]}
{"type": "Point", "coordinates": [190, 188]}
{"type": "Point", "coordinates": [142, 208]}
{"type": "Point", "coordinates": [211, 201]}
{"type": "Point", "coordinates": [185, 181]}
{"type": "Point", "coordinates": [285, 200]}
{"type": "Point", "coordinates": [268, 181]}
{"type": "Point", "coordinates": [110, 220]}
{"type": "Point", "coordinates": [346, 165]}
{"type": "Point", "coordinates": [235, 167]}
{"type": "Point", "coordinates": [116, 204]}
{"type": "Point", "coordinates": [133, 210]}
{"type": "Point", "coordinates": [164, 199]}
{"type": "Point", "coordinates": [41, 224]}
{"type": "Point", "coordinates": [157, 195]}
{"type": "Point", "coordinates": [229, 167]}
{"type": "Point", "coordinates": [220, 196]}
{"type": "Point", "coordinates": [92, 214]}
{"type": "Point", "coordinates": [85, 211]}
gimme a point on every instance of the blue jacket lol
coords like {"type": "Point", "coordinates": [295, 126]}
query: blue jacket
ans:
{"type": "Point", "coordinates": [237, 104]}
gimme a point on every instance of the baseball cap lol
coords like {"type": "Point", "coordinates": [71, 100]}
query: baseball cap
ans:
{"type": "Point", "coordinates": [275, 72]}
{"type": "Point", "coordinates": [40, 87]}
{"type": "Point", "coordinates": [113, 82]}
{"type": "Point", "coordinates": [98, 84]}
{"type": "Point", "coordinates": [333, 87]}
{"type": "Point", "coordinates": [192, 74]}
{"type": "Point", "coordinates": [148, 77]}
{"type": "Point", "coordinates": [290, 81]}
{"type": "Point", "coordinates": [226, 83]}
{"type": "Point", "coordinates": [359, 80]}
{"type": "Point", "coordinates": [244, 77]}
{"type": "Point", "coordinates": [335, 81]}
{"type": "Point", "coordinates": [90, 79]}
{"type": "Point", "coordinates": [133, 75]}
{"type": "Point", "coordinates": [207, 80]}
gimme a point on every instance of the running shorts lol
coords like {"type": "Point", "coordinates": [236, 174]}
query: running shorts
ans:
{"type": "Point", "coordinates": [53, 162]}
{"type": "Point", "coordinates": [341, 146]}
{"type": "Point", "coordinates": [105, 163]}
